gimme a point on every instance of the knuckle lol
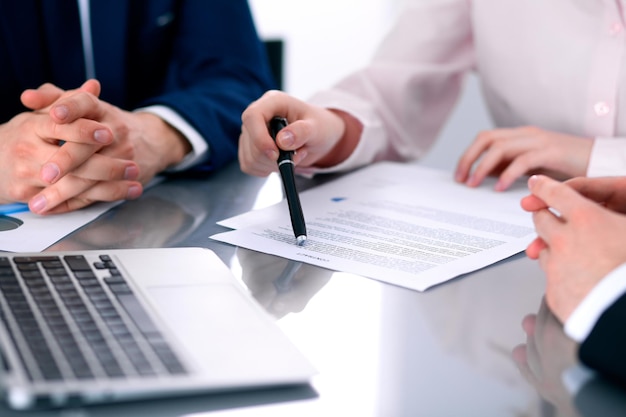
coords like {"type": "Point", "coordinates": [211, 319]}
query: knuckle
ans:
{"type": "Point", "coordinates": [530, 130]}
{"type": "Point", "coordinates": [248, 113]}
{"type": "Point", "coordinates": [64, 159]}
{"type": "Point", "coordinates": [273, 94]}
{"type": "Point", "coordinates": [21, 193]}
{"type": "Point", "coordinates": [22, 150]}
{"type": "Point", "coordinates": [484, 136]}
{"type": "Point", "coordinates": [22, 172]}
{"type": "Point", "coordinates": [115, 173]}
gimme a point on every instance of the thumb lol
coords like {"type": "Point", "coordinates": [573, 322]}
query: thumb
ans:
{"type": "Point", "coordinates": [555, 194]}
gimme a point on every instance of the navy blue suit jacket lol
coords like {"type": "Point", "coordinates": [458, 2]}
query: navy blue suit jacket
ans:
{"type": "Point", "coordinates": [202, 58]}
{"type": "Point", "coordinates": [605, 347]}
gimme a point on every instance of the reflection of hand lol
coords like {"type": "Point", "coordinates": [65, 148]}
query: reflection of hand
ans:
{"type": "Point", "coordinates": [280, 285]}
{"type": "Point", "coordinates": [511, 153]}
{"type": "Point", "coordinates": [143, 141]}
{"type": "Point", "coordinates": [575, 248]}
{"type": "Point", "coordinates": [129, 226]}
{"type": "Point", "coordinates": [544, 357]}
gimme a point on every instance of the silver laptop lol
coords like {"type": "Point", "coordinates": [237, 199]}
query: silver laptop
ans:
{"type": "Point", "coordinates": [98, 326]}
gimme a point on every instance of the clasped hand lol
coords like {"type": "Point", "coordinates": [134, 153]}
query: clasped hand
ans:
{"type": "Point", "coordinates": [74, 149]}
{"type": "Point", "coordinates": [577, 223]}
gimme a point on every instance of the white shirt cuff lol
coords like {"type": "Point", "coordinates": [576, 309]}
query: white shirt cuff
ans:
{"type": "Point", "coordinates": [200, 148]}
{"type": "Point", "coordinates": [608, 157]}
{"type": "Point", "coordinates": [601, 297]}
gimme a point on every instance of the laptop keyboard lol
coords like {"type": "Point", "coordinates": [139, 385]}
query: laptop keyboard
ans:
{"type": "Point", "coordinates": [70, 323]}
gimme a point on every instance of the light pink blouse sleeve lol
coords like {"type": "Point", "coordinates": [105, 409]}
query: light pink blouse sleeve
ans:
{"type": "Point", "coordinates": [608, 157]}
{"type": "Point", "coordinates": [405, 94]}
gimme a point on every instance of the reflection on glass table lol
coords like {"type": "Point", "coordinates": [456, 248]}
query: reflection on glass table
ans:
{"type": "Point", "coordinates": [282, 286]}
{"type": "Point", "coordinates": [545, 361]}
{"type": "Point", "coordinates": [175, 407]}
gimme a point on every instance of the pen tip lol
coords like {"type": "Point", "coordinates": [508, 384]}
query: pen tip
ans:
{"type": "Point", "coordinates": [300, 240]}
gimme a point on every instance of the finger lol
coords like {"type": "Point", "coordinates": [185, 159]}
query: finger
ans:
{"type": "Point", "coordinates": [534, 359]}
{"type": "Point", "coordinates": [67, 158]}
{"type": "Point", "coordinates": [532, 203]}
{"type": "Point", "coordinates": [544, 258]}
{"type": "Point", "coordinates": [252, 159]}
{"type": "Point", "coordinates": [483, 142]}
{"type": "Point", "coordinates": [41, 97]}
{"type": "Point", "coordinates": [296, 135]}
{"type": "Point", "coordinates": [608, 190]}
{"type": "Point", "coordinates": [255, 138]}
{"type": "Point", "coordinates": [92, 86]}
{"type": "Point", "coordinates": [535, 247]}
{"type": "Point", "coordinates": [528, 324]}
{"type": "Point", "coordinates": [46, 94]}
{"type": "Point", "coordinates": [83, 138]}
{"type": "Point", "coordinates": [82, 131]}
{"type": "Point", "coordinates": [72, 193]}
{"type": "Point", "coordinates": [556, 194]}
{"type": "Point", "coordinates": [273, 103]}
{"type": "Point", "coordinates": [546, 224]}
{"type": "Point", "coordinates": [103, 191]}
{"type": "Point", "coordinates": [501, 152]}
{"type": "Point", "coordinates": [103, 168]}
{"type": "Point", "coordinates": [472, 154]}
{"type": "Point", "coordinates": [520, 165]}
{"type": "Point", "coordinates": [81, 104]}
{"type": "Point", "coordinates": [544, 315]}
{"type": "Point", "coordinates": [520, 356]}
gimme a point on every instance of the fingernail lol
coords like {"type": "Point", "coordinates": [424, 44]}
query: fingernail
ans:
{"type": "Point", "coordinates": [471, 181]}
{"type": "Point", "coordinates": [500, 186]}
{"type": "Point", "coordinates": [61, 112]}
{"type": "Point", "coordinates": [133, 192]}
{"type": "Point", "coordinates": [532, 180]}
{"type": "Point", "coordinates": [131, 172]}
{"type": "Point", "coordinates": [50, 172]}
{"type": "Point", "coordinates": [286, 139]}
{"type": "Point", "coordinates": [38, 204]}
{"type": "Point", "coordinates": [458, 177]}
{"type": "Point", "coordinates": [102, 136]}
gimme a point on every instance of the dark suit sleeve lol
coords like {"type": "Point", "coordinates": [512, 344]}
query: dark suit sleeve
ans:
{"type": "Point", "coordinates": [605, 348]}
{"type": "Point", "coordinates": [218, 66]}
{"type": "Point", "coordinates": [600, 398]}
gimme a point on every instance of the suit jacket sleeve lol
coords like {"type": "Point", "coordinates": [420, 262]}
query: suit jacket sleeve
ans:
{"type": "Point", "coordinates": [600, 398]}
{"type": "Point", "coordinates": [605, 348]}
{"type": "Point", "coordinates": [217, 67]}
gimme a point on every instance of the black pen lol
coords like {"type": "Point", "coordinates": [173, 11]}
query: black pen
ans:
{"type": "Point", "coordinates": [285, 166]}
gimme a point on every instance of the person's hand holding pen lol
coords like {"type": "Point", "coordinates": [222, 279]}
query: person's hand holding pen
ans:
{"type": "Point", "coordinates": [285, 166]}
{"type": "Point", "coordinates": [320, 136]}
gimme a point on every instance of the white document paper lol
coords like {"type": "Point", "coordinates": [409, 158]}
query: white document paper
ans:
{"type": "Point", "coordinates": [399, 223]}
{"type": "Point", "coordinates": [37, 232]}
